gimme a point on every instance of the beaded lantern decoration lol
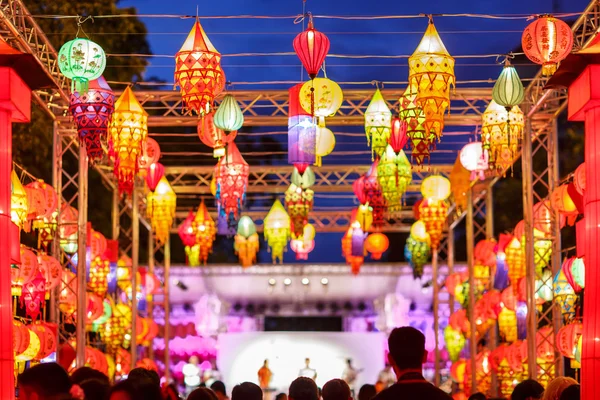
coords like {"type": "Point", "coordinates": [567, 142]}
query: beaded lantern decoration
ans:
{"type": "Point", "coordinates": [198, 71]}
{"type": "Point", "coordinates": [378, 124]}
{"type": "Point", "coordinates": [412, 115]}
{"type": "Point", "coordinates": [299, 203]}
{"type": "Point", "coordinates": [277, 230]}
{"type": "Point", "coordinates": [431, 72]}
{"type": "Point", "coordinates": [232, 179]}
{"type": "Point", "coordinates": [501, 133]}
{"type": "Point", "coordinates": [92, 112]}
{"type": "Point", "coordinates": [82, 61]}
{"type": "Point", "coordinates": [127, 131]}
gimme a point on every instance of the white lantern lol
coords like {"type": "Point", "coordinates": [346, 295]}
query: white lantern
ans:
{"type": "Point", "coordinates": [474, 159]}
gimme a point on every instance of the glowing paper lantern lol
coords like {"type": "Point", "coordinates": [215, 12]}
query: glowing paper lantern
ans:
{"type": "Point", "coordinates": [302, 132]}
{"type": "Point", "coordinates": [412, 114]}
{"type": "Point", "coordinates": [355, 262]}
{"type": "Point", "coordinates": [515, 259]}
{"type": "Point", "coordinates": [277, 230]}
{"type": "Point", "coordinates": [376, 244]}
{"type": "Point", "coordinates": [246, 248]}
{"type": "Point", "coordinates": [433, 214]}
{"type": "Point", "coordinates": [228, 116]}
{"type": "Point", "coordinates": [34, 295]}
{"type": "Point", "coordinates": [18, 201]}
{"type": "Point", "coordinates": [127, 131]}
{"type": "Point", "coordinates": [501, 132]}
{"type": "Point", "coordinates": [47, 339]}
{"type": "Point", "coordinates": [303, 179]}
{"type": "Point", "coordinates": [321, 97]}
{"type": "Point", "coordinates": [579, 179]}
{"type": "Point", "coordinates": [435, 187]}
{"type": "Point", "coordinates": [232, 179]}
{"type": "Point", "coordinates": [578, 272]}
{"type": "Point", "coordinates": [419, 252]}
{"type": "Point", "coordinates": [212, 136]}
{"type": "Point", "coordinates": [246, 227]}
{"type": "Point", "coordinates": [205, 232]}
{"type": "Point", "coordinates": [543, 288]}
{"type": "Point", "coordinates": [508, 90]}
{"type": "Point", "coordinates": [302, 247]}
{"type": "Point", "coordinates": [32, 349]}
{"type": "Point", "coordinates": [161, 205]}
{"type": "Point", "coordinates": [564, 296]}
{"type": "Point", "coordinates": [155, 173]}
{"type": "Point", "coordinates": [363, 214]}
{"type": "Point", "coordinates": [81, 60]}
{"type": "Point", "coordinates": [387, 175]}
{"type": "Point", "coordinates": [92, 112]}
{"type": "Point", "coordinates": [419, 232]}
{"type": "Point", "coordinates": [567, 339]}
{"type": "Point", "coordinates": [198, 71]}
{"type": "Point", "coordinates": [51, 270]}
{"type": "Point", "coordinates": [431, 72]}
{"type": "Point", "coordinates": [149, 155]}
{"type": "Point", "coordinates": [25, 272]}
{"type": "Point", "coordinates": [507, 324]}
{"type": "Point", "coordinates": [325, 143]}
{"type": "Point", "coordinates": [562, 202]}
{"type": "Point", "coordinates": [378, 124]}
{"type": "Point", "coordinates": [299, 203]}
{"type": "Point", "coordinates": [312, 47]}
{"type": "Point", "coordinates": [547, 41]}
{"type": "Point", "coordinates": [98, 275]}
{"type": "Point", "coordinates": [186, 230]}
{"type": "Point", "coordinates": [474, 159]}
{"type": "Point", "coordinates": [455, 342]}
{"type": "Point", "coordinates": [460, 182]}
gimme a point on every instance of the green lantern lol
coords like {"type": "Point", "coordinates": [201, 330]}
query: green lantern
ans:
{"type": "Point", "coordinates": [229, 116]}
{"type": "Point", "coordinates": [508, 90]}
{"type": "Point", "coordinates": [417, 252]}
{"type": "Point", "coordinates": [387, 175]}
{"type": "Point", "coordinates": [455, 342]}
{"type": "Point", "coordinates": [378, 124]}
{"type": "Point", "coordinates": [404, 172]}
{"type": "Point", "coordinates": [81, 60]}
{"type": "Point", "coordinates": [304, 180]}
{"type": "Point", "coordinates": [246, 227]}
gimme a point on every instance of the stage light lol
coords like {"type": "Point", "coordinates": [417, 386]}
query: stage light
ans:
{"type": "Point", "coordinates": [272, 282]}
{"type": "Point", "coordinates": [324, 281]}
{"type": "Point", "coordinates": [287, 281]}
{"type": "Point", "coordinates": [305, 281]}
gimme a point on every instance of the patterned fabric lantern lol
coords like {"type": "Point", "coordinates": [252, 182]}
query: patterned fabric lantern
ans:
{"type": "Point", "coordinates": [232, 179]}
{"type": "Point", "coordinates": [321, 97]}
{"type": "Point", "coordinates": [369, 193]}
{"type": "Point", "coordinates": [51, 270]}
{"type": "Point", "coordinates": [34, 295]}
{"type": "Point", "coordinates": [460, 181]}
{"type": "Point", "coordinates": [302, 132]}
{"type": "Point", "coordinates": [564, 296]}
{"type": "Point", "coordinates": [455, 342]}
{"type": "Point", "coordinates": [92, 112]}
{"type": "Point", "coordinates": [419, 252]}
{"type": "Point", "coordinates": [228, 116]}
{"type": "Point", "coordinates": [431, 72]}
{"type": "Point", "coordinates": [186, 230]}
{"type": "Point", "coordinates": [161, 205]}
{"type": "Point", "coordinates": [18, 201]}
{"type": "Point", "coordinates": [387, 175]}
{"type": "Point", "coordinates": [474, 159]}
{"type": "Point", "coordinates": [299, 203]}
{"type": "Point", "coordinates": [205, 232]}
{"type": "Point", "coordinates": [378, 124]}
{"type": "Point", "coordinates": [412, 114]}
{"type": "Point", "coordinates": [434, 210]}
{"type": "Point", "coordinates": [149, 155]}
{"type": "Point", "coordinates": [25, 272]}
{"type": "Point", "coordinates": [82, 61]}
{"type": "Point", "coordinates": [501, 133]}
{"type": "Point", "coordinates": [212, 136]}
{"type": "Point", "coordinates": [302, 247]}
{"type": "Point", "coordinates": [277, 230]}
{"type": "Point", "coordinates": [127, 131]}
{"type": "Point", "coordinates": [312, 47]}
{"type": "Point", "coordinates": [98, 276]}
{"type": "Point", "coordinates": [547, 41]}
{"type": "Point", "coordinates": [376, 244]}
{"type": "Point", "coordinates": [198, 71]}
{"type": "Point", "coordinates": [508, 90]}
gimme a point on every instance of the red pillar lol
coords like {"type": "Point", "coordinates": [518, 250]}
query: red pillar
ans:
{"type": "Point", "coordinates": [584, 105]}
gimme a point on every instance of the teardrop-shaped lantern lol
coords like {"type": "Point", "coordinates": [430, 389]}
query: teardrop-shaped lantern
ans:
{"type": "Point", "coordinates": [508, 90]}
{"type": "Point", "coordinates": [312, 47]}
{"type": "Point", "coordinates": [154, 175]}
{"type": "Point", "coordinates": [229, 116]}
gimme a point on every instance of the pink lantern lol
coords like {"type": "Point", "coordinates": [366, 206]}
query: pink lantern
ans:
{"type": "Point", "coordinates": [474, 159]}
{"type": "Point", "coordinates": [302, 248]}
{"type": "Point", "coordinates": [150, 154]}
{"type": "Point", "coordinates": [51, 269]}
{"type": "Point", "coordinates": [25, 273]}
{"type": "Point", "coordinates": [34, 295]}
{"type": "Point", "coordinates": [186, 230]}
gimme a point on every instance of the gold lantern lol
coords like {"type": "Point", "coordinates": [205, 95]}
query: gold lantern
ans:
{"type": "Point", "coordinates": [246, 248]}
{"type": "Point", "coordinates": [507, 324]}
{"type": "Point", "coordinates": [394, 174]}
{"type": "Point", "coordinates": [321, 97]}
{"type": "Point", "coordinates": [431, 72]}
{"type": "Point", "coordinates": [277, 230]}
{"type": "Point", "coordinates": [325, 143]}
{"type": "Point", "coordinates": [204, 227]}
{"type": "Point", "coordinates": [378, 124]}
{"type": "Point", "coordinates": [515, 260]}
{"type": "Point", "coordinates": [460, 184]}
{"type": "Point", "coordinates": [433, 214]}
{"type": "Point", "coordinates": [412, 114]}
{"type": "Point", "coordinates": [161, 206]}
{"type": "Point", "coordinates": [18, 201]}
{"type": "Point", "coordinates": [501, 133]}
{"type": "Point", "coordinates": [127, 131]}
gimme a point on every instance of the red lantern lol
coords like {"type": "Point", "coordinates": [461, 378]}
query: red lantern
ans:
{"type": "Point", "coordinates": [509, 298]}
{"type": "Point", "coordinates": [358, 187]}
{"type": "Point", "coordinates": [20, 337]}
{"type": "Point", "coordinates": [312, 47]}
{"type": "Point", "coordinates": [484, 252]}
{"type": "Point", "coordinates": [232, 179]}
{"type": "Point", "coordinates": [545, 343]}
{"type": "Point", "coordinates": [198, 70]}
{"type": "Point", "coordinates": [579, 179]}
{"type": "Point", "coordinates": [15, 246]}
{"type": "Point", "coordinates": [155, 173]}
{"type": "Point", "coordinates": [459, 321]}
{"type": "Point", "coordinates": [47, 339]}
{"type": "Point", "coordinates": [567, 338]}
{"type": "Point", "coordinates": [25, 272]}
{"type": "Point", "coordinates": [123, 361]}
{"type": "Point", "coordinates": [547, 41]}
{"type": "Point", "coordinates": [498, 355]}
{"type": "Point", "coordinates": [92, 112]}
{"type": "Point", "coordinates": [212, 136]}
{"type": "Point", "coordinates": [34, 294]}
{"type": "Point", "coordinates": [398, 137]}
{"type": "Point", "coordinates": [51, 269]}
{"type": "Point", "coordinates": [376, 244]}
{"type": "Point", "coordinates": [95, 308]}
{"type": "Point", "coordinates": [186, 230]}
{"type": "Point", "coordinates": [513, 356]}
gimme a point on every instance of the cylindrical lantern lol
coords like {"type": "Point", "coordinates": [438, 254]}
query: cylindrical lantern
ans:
{"type": "Point", "coordinates": [435, 187]}
{"type": "Point", "coordinates": [547, 41]}
{"type": "Point", "coordinates": [312, 47]}
{"type": "Point", "coordinates": [302, 132]}
{"type": "Point", "coordinates": [82, 61]}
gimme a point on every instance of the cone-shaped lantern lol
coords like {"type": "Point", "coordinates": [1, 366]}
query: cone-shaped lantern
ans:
{"type": "Point", "coordinates": [161, 205]}
{"type": "Point", "coordinates": [501, 133]}
{"type": "Point", "coordinates": [412, 114]}
{"type": "Point", "coordinates": [246, 241]}
{"type": "Point", "coordinates": [205, 230]}
{"type": "Point", "coordinates": [312, 47]}
{"type": "Point", "coordinates": [92, 112]}
{"type": "Point", "coordinates": [299, 203]}
{"type": "Point", "coordinates": [212, 136]}
{"type": "Point", "coordinates": [277, 230]}
{"type": "Point", "coordinates": [198, 71]}
{"type": "Point", "coordinates": [228, 116]}
{"type": "Point", "coordinates": [232, 179]}
{"type": "Point", "coordinates": [431, 72]}
{"type": "Point", "coordinates": [128, 129]}
{"type": "Point", "coordinates": [378, 124]}
{"type": "Point", "coordinates": [186, 231]}
{"type": "Point", "coordinates": [387, 175]}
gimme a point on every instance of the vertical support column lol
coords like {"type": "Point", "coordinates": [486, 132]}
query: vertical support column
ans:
{"type": "Point", "coordinates": [82, 257]}
{"type": "Point", "coordinates": [489, 234]}
{"type": "Point", "coordinates": [57, 185]}
{"type": "Point", "coordinates": [135, 259]}
{"type": "Point", "coordinates": [436, 311]}
{"type": "Point", "coordinates": [150, 302]}
{"type": "Point", "coordinates": [115, 214]}
{"type": "Point", "coordinates": [471, 308]}
{"type": "Point", "coordinates": [167, 306]}
{"type": "Point", "coordinates": [527, 172]}
{"type": "Point", "coordinates": [450, 263]}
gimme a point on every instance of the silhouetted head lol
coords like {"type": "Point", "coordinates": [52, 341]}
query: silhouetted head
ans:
{"type": "Point", "coordinates": [336, 389]}
{"type": "Point", "coordinates": [303, 389]}
{"type": "Point", "coordinates": [247, 391]}
{"type": "Point", "coordinates": [407, 348]}
{"type": "Point", "coordinates": [44, 381]}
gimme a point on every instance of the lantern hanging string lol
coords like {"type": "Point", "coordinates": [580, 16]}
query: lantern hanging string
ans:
{"type": "Point", "coordinates": [80, 21]}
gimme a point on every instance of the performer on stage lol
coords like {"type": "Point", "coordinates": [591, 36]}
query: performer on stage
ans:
{"type": "Point", "coordinates": [264, 375]}
{"type": "Point", "coordinates": [307, 371]}
{"type": "Point", "coordinates": [211, 375]}
{"type": "Point", "coordinates": [349, 375]}
{"type": "Point", "coordinates": [191, 372]}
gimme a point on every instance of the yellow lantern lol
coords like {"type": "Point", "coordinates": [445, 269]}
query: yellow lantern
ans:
{"type": "Point", "coordinates": [32, 350]}
{"type": "Point", "coordinates": [205, 229]}
{"type": "Point", "coordinates": [127, 131]}
{"type": "Point", "coordinates": [387, 175]}
{"type": "Point", "coordinates": [193, 255]}
{"type": "Point", "coordinates": [18, 201]}
{"type": "Point", "coordinates": [431, 72]}
{"type": "Point", "coordinates": [501, 133]}
{"type": "Point", "coordinates": [433, 213]}
{"type": "Point", "coordinates": [378, 124]}
{"type": "Point", "coordinates": [460, 183]}
{"type": "Point", "coordinates": [161, 205]}
{"type": "Point", "coordinates": [246, 249]}
{"type": "Point", "coordinates": [418, 231]}
{"type": "Point", "coordinates": [321, 97]}
{"type": "Point", "coordinates": [412, 114]}
{"type": "Point", "coordinates": [435, 187]}
{"type": "Point", "coordinates": [364, 216]}
{"type": "Point", "coordinates": [325, 143]}
{"type": "Point", "coordinates": [507, 324]}
{"type": "Point", "coordinates": [515, 260]}
{"type": "Point", "coordinates": [455, 342]}
{"type": "Point", "coordinates": [277, 230]}
{"type": "Point", "coordinates": [309, 232]}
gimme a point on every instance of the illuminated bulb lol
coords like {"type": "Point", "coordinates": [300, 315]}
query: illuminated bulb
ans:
{"type": "Point", "coordinates": [287, 281]}
{"type": "Point", "coordinates": [305, 281]}
{"type": "Point", "coordinates": [272, 282]}
{"type": "Point", "coordinates": [127, 336]}
{"type": "Point", "coordinates": [277, 225]}
{"type": "Point", "coordinates": [202, 228]}
{"type": "Point", "coordinates": [219, 152]}
{"type": "Point", "coordinates": [324, 281]}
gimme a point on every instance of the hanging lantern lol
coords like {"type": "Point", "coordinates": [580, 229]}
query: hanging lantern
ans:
{"type": "Point", "coordinates": [186, 231]}
{"type": "Point", "coordinates": [387, 175]}
{"type": "Point", "coordinates": [579, 179]}
{"type": "Point", "coordinates": [51, 270]}
{"type": "Point", "coordinates": [578, 273]}
{"type": "Point", "coordinates": [412, 114]}
{"type": "Point", "coordinates": [564, 296]}
{"type": "Point", "coordinates": [198, 71]}
{"type": "Point", "coordinates": [460, 183]}
{"type": "Point", "coordinates": [212, 136]}
{"type": "Point", "coordinates": [508, 90]}
{"type": "Point", "coordinates": [232, 179]}
{"type": "Point", "coordinates": [34, 295]}
{"type": "Point", "coordinates": [18, 201]}
{"type": "Point", "coordinates": [418, 251]}
{"type": "Point", "coordinates": [246, 247]}
{"type": "Point", "coordinates": [156, 172]}
{"type": "Point", "coordinates": [325, 143]}
{"type": "Point", "coordinates": [358, 240]}
{"type": "Point", "coordinates": [398, 136]}
{"type": "Point", "coordinates": [98, 276]}
{"type": "Point", "coordinates": [35, 205]}
{"type": "Point", "coordinates": [378, 124]}
{"type": "Point", "coordinates": [459, 322]}
{"type": "Point", "coordinates": [435, 187]}
{"type": "Point", "coordinates": [47, 339]}
{"type": "Point", "coordinates": [228, 116]}
{"type": "Point", "coordinates": [161, 205]}
{"type": "Point", "coordinates": [321, 97]}
{"type": "Point", "coordinates": [205, 231]}
{"type": "Point", "coordinates": [302, 132]}
{"type": "Point", "coordinates": [32, 349]}
{"type": "Point", "coordinates": [543, 288]}
{"type": "Point", "coordinates": [484, 252]}
{"type": "Point", "coordinates": [299, 203]}
{"type": "Point", "coordinates": [567, 338]}
{"type": "Point", "coordinates": [246, 227]}
{"type": "Point", "coordinates": [455, 342]}
{"type": "Point", "coordinates": [303, 179]}
{"type": "Point", "coordinates": [474, 159]}
{"type": "Point", "coordinates": [277, 230]}
{"type": "Point", "coordinates": [355, 262]}
{"type": "Point", "coordinates": [302, 247]}
{"type": "Point", "coordinates": [547, 41]}
{"type": "Point", "coordinates": [127, 131]}
{"type": "Point", "coordinates": [376, 244]}
{"type": "Point", "coordinates": [515, 259]}
{"type": "Point", "coordinates": [82, 61]}
{"type": "Point", "coordinates": [563, 203]}
{"type": "Point", "coordinates": [25, 272]}
{"type": "Point", "coordinates": [501, 133]}
{"type": "Point", "coordinates": [433, 214]}
{"type": "Point", "coordinates": [363, 214]}
{"type": "Point", "coordinates": [92, 112]}
{"type": "Point", "coordinates": [431, 73]}
{"type": "Point", "coordinates": [507, 324]}
{"type": "Point", "coordinates": [312, 47]}
{"type": "Point", "coordinates": [150, 155]}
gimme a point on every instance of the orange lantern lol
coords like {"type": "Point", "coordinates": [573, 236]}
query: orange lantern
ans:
{"type": "Point", "coordinates": [25, 272]}
{"type": "Point", "coordinates": [98, 276]}
{"type": "Point", "coordinates": [509, 297]}
{"type": "Point", "coordinates": [545, 343]}
{"type": "Point", "coordinates": [152, 332]}
{"type": "Point", "coordinates": [204, 227]}
{"type": "Point", "coordinates": [579, 179]}
{"type": "Point", "coordinates": [355, 262]}
{"type": "Point", "coordinates": [457, 371]}
{"type": "Point", "coordinates": [433, 214]}
{"type": "Point", "coordinates": [376, 244]}
{"type": "Point", "coordinates": [562, 202]}
{"type": "Point", "coordinates": [47, 338]}
{"type": "Point", "coordinates": [150, 155]}
{"type": "Point", "coordinates": [460, 182]}
{"type": "Point", "coordinates": [515, 260]}
{"type": "Point", "coordinates": [484, 252]}
{"type": "Point", "coordinates": [547, 41]}
{"type": "Point", "coordinates": [459, 321]}
{"type": "Point", "coordinates": [212, 136]}
{"type": "Point", "coordinates": [20, 337]}
{"type": "Point", "coordinates": [198, 71]}
{"type": "Point", "coordinates": [232, 179]}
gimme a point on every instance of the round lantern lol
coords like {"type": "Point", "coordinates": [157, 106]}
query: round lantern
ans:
{"type": "Point", "coordinates": [212, 136]}
{"type": "Point", "coordinates": [32, 349]}
{"type": "Point", "coordinates": [228, 116]}
{"type": "Point", "coordinates": [311, 46]}
{"type": "Point", "coordinates": [321, 97]}
{"type": "Point", "coordinates": [474, 159]}
{"type": "Point", "coordinates": [246, 227]}
{"type": "Point", "coordinates": [198, 71]}
{"type": "Point", "coordinates": [325, 143]}
{"type": "Point", "coordinates": [562, 202]}
{"type": "Point", "coordinates": [378, 124]}
{"type": "Point", "coordinates": [547, 41]}
{"type": "Point", "coordinates": [508, 90]}
{"type": "Point", "coordinates": [579, 179]}
{"type": "Point", "coordinates": [376, 244]}
{"type": "Point", "coordinates": [302, 247]}
{"type": "Point", "coordinates": [150, 154]}
{"type": "Point", "coordinates": [418, 231]}
{"type": "Point", "coordinates": [51, 269]}
{"type": "Point", "coordinates": [578, 272]}
{"type": "Point", "coordinates": [435, 187]}
{"type": "Point", "coordinates": [47, 340]}
{"type": "Point", "coordinates": [567, 338]}
{"type": "Point", "coordinates": [21, 337]}
{"type": "Point", "coordinates": [24, 273]}
{"type": "Point", "coordinates": [81, 60]}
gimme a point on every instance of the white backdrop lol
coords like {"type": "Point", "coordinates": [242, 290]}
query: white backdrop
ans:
{"type": "Point", "coordinates": [240, 355]}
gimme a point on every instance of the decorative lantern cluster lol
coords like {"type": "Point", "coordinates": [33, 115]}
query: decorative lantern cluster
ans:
{"type": "Point", "coordinates": [246, 241]}
{"type": "Point", "coordinates": [232, 179]}
{"type": "Point", "coordinates": [277, 230]}
{"type": "Point", "coordinates": [161, 205]}
{"type": "Point", "coordinates": [299, 199]}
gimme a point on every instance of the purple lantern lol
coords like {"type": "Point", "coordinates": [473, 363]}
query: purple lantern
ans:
{"type": "Point", "coordinates": [521, 320]}
{"type": "Point", "coordinates": [358, 241]}
{"type": "Point", "coordinates": [92, 112]}
{"type": "Point", "coordinates": [302, 132]}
